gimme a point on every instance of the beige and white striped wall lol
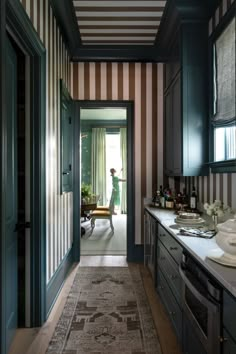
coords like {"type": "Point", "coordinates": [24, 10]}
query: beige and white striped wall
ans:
{"type": "Point", "coordinates": [143, 84]}
{"type": "Point", "coordinates": [59, 207]}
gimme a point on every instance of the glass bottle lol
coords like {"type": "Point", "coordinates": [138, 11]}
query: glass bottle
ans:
{"type": "Point", "coordinates": [162, 198]}
{"type": "Point", "coordinates": [193, 199]}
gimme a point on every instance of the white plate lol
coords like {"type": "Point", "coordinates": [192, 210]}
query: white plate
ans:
{"type": "Point", "coordinates": [198, 221]}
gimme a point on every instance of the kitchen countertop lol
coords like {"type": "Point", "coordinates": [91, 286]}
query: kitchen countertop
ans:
{"type": "Point", "coordinates": [198, 248]}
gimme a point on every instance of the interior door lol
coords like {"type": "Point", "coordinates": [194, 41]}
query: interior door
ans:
{"type": "Point", "coordinates": [11, 200]}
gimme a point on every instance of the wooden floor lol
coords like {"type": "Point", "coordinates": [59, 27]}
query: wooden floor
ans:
{"type": "Point", "coordinates": [35, 340]}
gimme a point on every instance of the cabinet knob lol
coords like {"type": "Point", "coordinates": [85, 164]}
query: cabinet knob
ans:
{"type": "Point", "coordinates": [162, 258]}
{"type": "Point", "coordinates": [223, 339]}
{"type": "Point", "coordinates": [172, 313]}
{"type": "Point", "coordinates": [173, 277]}
{"type": "Point", "coordinates": [160, 287]}
{"type": "Point", "coordinates": [173, 248]}
{"type": "Point", "coordinates": [162, 235]}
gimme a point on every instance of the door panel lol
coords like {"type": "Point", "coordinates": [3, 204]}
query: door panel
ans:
{"type": "Point", "coordinates": [11, 200]}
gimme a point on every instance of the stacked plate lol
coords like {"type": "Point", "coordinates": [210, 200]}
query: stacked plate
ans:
{"type": "Point", "coordinates": [190, 219]}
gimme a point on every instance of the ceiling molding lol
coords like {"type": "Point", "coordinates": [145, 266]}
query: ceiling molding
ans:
{"type": "Point", "coordinates": [117, 38]}
{"type": "Point", "coordinates": [66, 19]}
{"type": "Point", "coordinates": [178, 12]}
{"type": "Point", "coordinates": [117, 53]}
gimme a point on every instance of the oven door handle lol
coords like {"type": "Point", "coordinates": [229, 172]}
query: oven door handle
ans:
{"type": "Point", "coordinates": [195, 292]}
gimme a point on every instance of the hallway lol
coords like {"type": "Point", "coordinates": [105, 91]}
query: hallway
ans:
{"type": "Point", "coordinates": [36, 340]}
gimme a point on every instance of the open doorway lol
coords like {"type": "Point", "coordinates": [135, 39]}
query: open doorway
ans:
{"type": "Point", "coordinates": [23, 287]}
{"type": "Point", "coordinates": [104, 147]}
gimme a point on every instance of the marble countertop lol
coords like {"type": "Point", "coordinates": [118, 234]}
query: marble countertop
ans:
{"type": "Point", "coordinates": [199, 248]}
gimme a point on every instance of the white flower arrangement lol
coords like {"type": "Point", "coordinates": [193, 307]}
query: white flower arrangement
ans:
{"type": "Point", "coordinates": [217, 208]}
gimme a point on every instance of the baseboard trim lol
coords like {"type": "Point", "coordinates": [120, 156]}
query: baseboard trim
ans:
{"type": "Point", "coordinates": [55, 284]}
{"type": "Point", "coordinates": [137, 254]}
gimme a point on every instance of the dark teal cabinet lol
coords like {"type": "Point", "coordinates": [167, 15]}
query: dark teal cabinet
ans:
{"type": "Point", "coordinates": [173, 125]}
{"type": "Point", "coordinates": [229, 324]}
{"type": "Point", "coordinates": [150, 236]}
{"type": "Point", "coordinates": [186, 107]}
{"type": "Point", "coordinates": [229, 345]}
{"type": "Point", "coordinates": [164, 265]}
{"type": "Point", "coordinates": [172, 307]}
{"type": "Point", "coordinates": [168, 280]}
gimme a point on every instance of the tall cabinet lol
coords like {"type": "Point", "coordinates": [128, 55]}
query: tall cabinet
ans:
{"type": "Point", "coordinates": [186, 102]}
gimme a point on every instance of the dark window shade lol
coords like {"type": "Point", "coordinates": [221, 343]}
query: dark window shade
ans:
{"type": "Point", "coordinates": [224, 77]}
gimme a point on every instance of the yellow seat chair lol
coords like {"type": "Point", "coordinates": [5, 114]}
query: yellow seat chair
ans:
{"type": "Point", "coordinates": [103, 212]}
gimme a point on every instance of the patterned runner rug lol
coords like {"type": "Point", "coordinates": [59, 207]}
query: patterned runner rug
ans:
{"type": "Point", "coordinates": [106, 312]}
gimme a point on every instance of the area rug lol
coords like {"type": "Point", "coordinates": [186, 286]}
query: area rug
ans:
{"type": "Point", "coordinates": [106, 312]}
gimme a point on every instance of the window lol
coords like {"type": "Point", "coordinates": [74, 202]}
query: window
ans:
{"type": "Point", "coordinates": [225, 143]}
{"type": "Point", "coordinates": [224, 118]}
{"type": "Point", "coordinates": [113, 158]}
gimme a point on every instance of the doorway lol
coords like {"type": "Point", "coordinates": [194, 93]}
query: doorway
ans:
{"type": "Point", "coordinates": [128, 106]}
{"type": "Point", "coordinates": [21, 159]}
{"type": "Point", "coordinates": [23, 286]}
{"type": "Point", "coordinates": [103, 148]}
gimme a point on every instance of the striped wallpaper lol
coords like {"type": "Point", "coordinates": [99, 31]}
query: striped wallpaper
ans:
{"type": "Point", "coordinates": [140, 82]}
{"type": "Point", "coordinates": [220, 185]}
{"type": "Point", "coordinates": [143, 84]}
{"type": "Point", "coordinates": [59, 207]}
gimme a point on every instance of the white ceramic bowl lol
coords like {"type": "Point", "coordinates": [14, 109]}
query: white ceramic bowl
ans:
{"type": "Point", "coordinates": [226, 237]}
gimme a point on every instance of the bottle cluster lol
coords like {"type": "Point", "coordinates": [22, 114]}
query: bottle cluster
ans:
{"type": "Point", "coordinates": [166, 198]}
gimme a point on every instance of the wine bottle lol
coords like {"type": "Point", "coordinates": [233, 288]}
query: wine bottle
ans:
{"type": "Point", "coordinates": [193, 199]}
{"type": "Point", "coordinates": [162, 198]}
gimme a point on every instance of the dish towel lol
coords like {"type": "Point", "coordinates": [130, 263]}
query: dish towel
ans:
{"type": "Point", "coordinates": [196, 232]}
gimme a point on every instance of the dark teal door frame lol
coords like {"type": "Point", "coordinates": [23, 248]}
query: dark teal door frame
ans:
{"type": "Point", "coordinates": [2, 165]}
{"type": "Point", "coordinates": [134, 252]}
{"type": "Point", "coordinates": [15, 22]}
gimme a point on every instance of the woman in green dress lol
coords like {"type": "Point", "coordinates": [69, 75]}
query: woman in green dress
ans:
{"type": "Point", "coordinates": [116, 188]}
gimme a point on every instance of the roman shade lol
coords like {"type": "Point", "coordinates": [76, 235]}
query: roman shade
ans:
{"type": "Point", "coordinates": [224, 77]}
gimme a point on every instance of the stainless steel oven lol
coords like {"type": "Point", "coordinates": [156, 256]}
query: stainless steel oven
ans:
{"type": "Point", "coordinates": [202, 301]}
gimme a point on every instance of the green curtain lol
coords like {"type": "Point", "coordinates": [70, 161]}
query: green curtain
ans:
{"type": "Point", "coordinates": [123, 153]}
{"type": "Point", "coordinates": [98, 163]}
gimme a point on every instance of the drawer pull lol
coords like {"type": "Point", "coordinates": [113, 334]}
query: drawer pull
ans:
{"type": "Point", "coordinates": [173, 277]}
{"type": "Point", "coordinates": [161, 287]}
{"type": "Point", "coordinates": [162, 258]}
{"type": "Point", "coordinates": [173, 248]}
{"type": "Point", "coordinates": [223, 339]}
{"type": "Point", "coordinates": [162, 235]}
{"type": "Point", "coordinates": [172, 313]}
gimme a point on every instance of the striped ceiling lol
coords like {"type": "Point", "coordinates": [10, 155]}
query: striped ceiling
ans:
{"type": "Point", "coordinates": [121, 22]}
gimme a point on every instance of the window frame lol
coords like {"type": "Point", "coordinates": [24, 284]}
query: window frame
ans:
{"type": "Point", "coordinates": [224, 166]}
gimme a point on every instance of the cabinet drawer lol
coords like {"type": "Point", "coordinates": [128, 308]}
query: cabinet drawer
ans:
{"type": "Point", "coordinates": [171, 245]}
{"type": "Point", "coordinates": [172, 307]}
{"type": "Point", "coordinates": [170, 270]}
{"type": "Point", "coordinates": [229, 313]}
